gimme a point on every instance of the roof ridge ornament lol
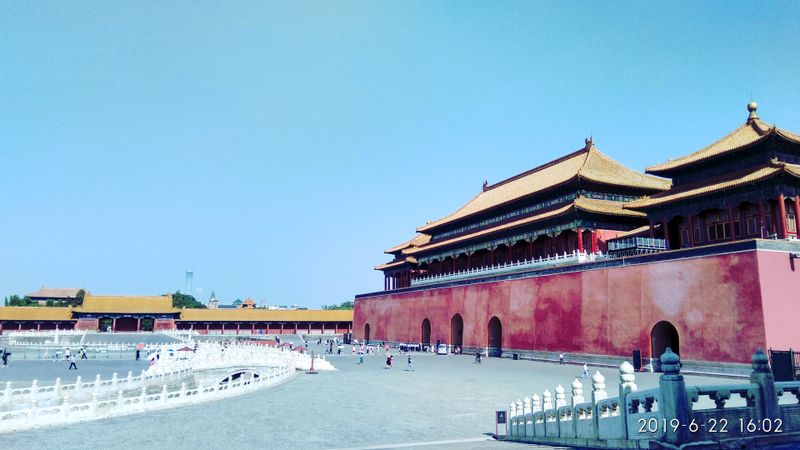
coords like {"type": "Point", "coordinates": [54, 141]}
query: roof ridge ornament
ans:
{"type": "Point", "coordinates": [485, 186]}
{"type": "Point", "coordinates": [752, 107]}
{"type": "Point", "coordinates": [589, 143]}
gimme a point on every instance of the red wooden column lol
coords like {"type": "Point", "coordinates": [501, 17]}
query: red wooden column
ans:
{"type": "Point", "coordinates": [730, 222]}
{"type": "Point", "coordinates": [797, 215]}
{"type": "Point", "coordinates": [139, 325]}
{"type": "Point", "coordinates": [253, 328]}
{"type": "Point", "coordinates": [510, 254]}
{"type": "Point", "coordinates": [469, 261]}
{"type": "Point", "coordinates": [39, 326]}
{"type": "Point", "coordinates": [295, 328]}
{"type": "Point", "coordinates": [223, 328]}
{"type": "Point", "coordinates": [761, 223]}
{"type": "Point", "coordinates": [20, 327]}
{"type": "Point", "coordinates": [652, 230]}
{"type": "Point", "coordinates": [665, 229]}
{"type": "Point", "coordinates": [208, 327]}
{"type": "Point", "coordinates": [691, 230]}
{"type": "Point", "coordinates": [782, 216]}
{"type": "Point", "coordinates": [580, 240]}
{"type": "Point", "coordinates": [309, 327]}
{"type": "Point", "coordinates": [114, 325]}
{"type": "Point", "coordinates": [594, 241]}
{"type": "Point", "coordinates": [492, 253]}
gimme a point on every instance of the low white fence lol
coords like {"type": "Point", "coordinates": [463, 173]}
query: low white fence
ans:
{"type": "Point", "coordinates": [34, 393]}
{"type": "Point", "coordinates": [68, 412]}
{"type": "Point", "coordinates": [669, 414]}
{"type": "Point", "coordinates": [535, 263]}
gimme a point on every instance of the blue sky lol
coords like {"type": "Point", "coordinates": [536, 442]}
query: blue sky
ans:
{"type": "Point", "coordinates": [276, 148]}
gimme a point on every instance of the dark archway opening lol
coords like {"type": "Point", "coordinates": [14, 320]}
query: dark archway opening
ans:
{"type": "Point", "coordinates": [426, 332]}
{"type": "Point", "coordinates": [126, 324]}
{"type": "Point", "coordinates": [147, 324]}
{"type": "Point", "coordinates": [663, 335]}
{"type": "Point", "coordinates": [457, 331]}
{"type": "Point", "coordinates": [495, 342]}
{"type": "Point", "coordinates": [105, 324]}
{"type": "Point", "coordinates": [366, 333]}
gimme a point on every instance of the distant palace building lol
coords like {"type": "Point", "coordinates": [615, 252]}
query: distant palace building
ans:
{"type": "Point", "coordinates": [584, 255]}
{"type": "Point", "coordinates": [155, 313]}
{"type": "Point", "coordinates": [43, 294]}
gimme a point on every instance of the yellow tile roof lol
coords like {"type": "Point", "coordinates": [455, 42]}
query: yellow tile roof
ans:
{"type": "Point", "coordinates": [389, 265]}
{"type": "Point", "coordinates": [587, 163]}
{"type": "Point", "coordinates": [416, 241]}
{"type": "Point", "coordinates": [730, 181]}
{"type": "Point", "coordinates": [580, 203]}
{"type": "Point", "coordinates": [753, 131]}
{"type": "Point", "coordinates": [126, 304]}
{"type": "Point", "coordinates": [35, 313]}
{"type": "Point", "coordinates": [266, 315]}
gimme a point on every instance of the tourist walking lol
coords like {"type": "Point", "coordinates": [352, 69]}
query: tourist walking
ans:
{"type": "Point", "coordinates": [361, 356]}
{"type": "Point", "coordinates": [561, 358]}
{"type": "Point", "coordinates": [138, 354]}
{"type": "Point", "coordinates": [72, 364]}
{"type": "Point", "coordinates": [5, 358]}
{"type": "Point", "coordinates": [410, 365]}
{"type": "Point", "coordinates": [478, 356]}
{"type": "Point", "coordinates": [585, 371]}
{"type": "Point", "coordinates": [67, 353]}
{"type": "Point", "coordinates": [389, 360]}
{"type": "Point", "coordinates": [83, 353]}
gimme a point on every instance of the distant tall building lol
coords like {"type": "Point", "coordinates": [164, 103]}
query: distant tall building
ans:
{"type": "Point", "coordinates": [213, 303]}
{"type": "Point", "coordinates": [189, 279]}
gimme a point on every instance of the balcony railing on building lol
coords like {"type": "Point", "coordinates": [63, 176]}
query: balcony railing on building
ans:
{"type": "Point", "coordinates": [632, 246]}
{"type": "Point", "coordinates": [551, 261]}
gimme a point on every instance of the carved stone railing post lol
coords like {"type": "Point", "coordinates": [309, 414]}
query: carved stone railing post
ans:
{"type": "Point", "coordinates": [97, 384]}
{"type": "Point", "coordinates": [767, 399]}
{"type": "Point", "coordinates": [626, 386]}
{"type": "Point", "coordinates": [34, 389]}
{"type": "Point", "coordinates": [598, 393]}
{"type": "Point", "coordinates": [560, 397]}
{"type": "Point", "coordinates": [65, 407]}
{"type": "Point", "coordinates": [163, 393]}
{"type": "Point", "coordinates": [547, 400]}
{"type": "Point", "coordinates": [577, 392]}
{"type": "Point", "coordinates": [674, 401]}
{"type": "Point", "coordinates": [527, 416]}
{"type": "Point", "coordinates": [120, 401]}
{"type": "Point", "coordinates": [536, 403]}
{"type": "Point", "coordinates": [129, 379]}
{"type": "Point", "coordinates": [78, 386]}
{"type": "Point", "coordinates": [512, 418]}
{"type": "Point", "coordinates": [57, 388]}
{"type": "Point", "coordinates": [142, 397]}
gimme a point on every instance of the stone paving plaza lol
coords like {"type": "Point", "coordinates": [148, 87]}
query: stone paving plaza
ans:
{"type": "Point", "coordinates": [447, 402]}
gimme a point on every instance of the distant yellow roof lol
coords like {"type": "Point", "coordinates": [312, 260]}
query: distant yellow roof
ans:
{"type": "Point", "coordinates": [706, 187]}
{"type": "Point", "coordinates": [35, 313]}
{"type": "Point", "coordinates": [126, 304]}
{"type": "Point", "coordinates": [266, 315]}
{"type": "Point", "coordinates": [587, 163]}
{"type": "Point", "coordinates": [752, 132]}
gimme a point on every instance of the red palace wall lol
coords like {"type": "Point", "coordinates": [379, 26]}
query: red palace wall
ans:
{"type": "Point", "coordinates": [714, 302]}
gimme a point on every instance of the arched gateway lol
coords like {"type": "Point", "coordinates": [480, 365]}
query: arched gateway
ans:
{"type": "Point", "coordinates": [457, 331]}
{"type": "Point", "coordinates": [495, 341]}
{"type": "Point", "coordinates": [366, 332]}
{"type": "Point", "coordinates": [664, 335]}
{"type": "Point", "coordinates": [426, 332]}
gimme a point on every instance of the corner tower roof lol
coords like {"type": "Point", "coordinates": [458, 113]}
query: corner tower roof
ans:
{"type": "Point", "coordinates": [587, 163]}
{"type": "Point", "coordinates": [752, 132]}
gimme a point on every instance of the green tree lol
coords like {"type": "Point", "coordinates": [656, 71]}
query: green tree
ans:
{"type": "Point", "coordinates": [185, 301]}
{"type": "Point", "coordinates": [79, 297]}
{"type": "Point", "coordinates": [343, 305]}
{"type": "Point", "coordinates": [16, 300]}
